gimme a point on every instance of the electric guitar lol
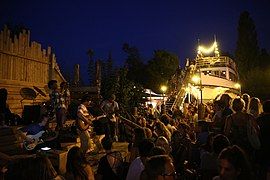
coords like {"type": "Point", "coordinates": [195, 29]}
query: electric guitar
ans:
{"type": "Point", "coordinates": [33, 142]}
{"type": "Point", "coordinates": [83, 126]}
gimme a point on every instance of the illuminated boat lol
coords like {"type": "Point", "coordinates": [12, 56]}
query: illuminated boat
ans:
{"type": "Point", "coordinates": [212, 75]}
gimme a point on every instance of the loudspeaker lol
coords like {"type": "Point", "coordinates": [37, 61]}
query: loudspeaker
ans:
{"type": "Point", "coordinates": [31, 114]}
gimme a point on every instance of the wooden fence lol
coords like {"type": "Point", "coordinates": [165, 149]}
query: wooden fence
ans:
{"type": "Point", "coordinates": [23, 63]}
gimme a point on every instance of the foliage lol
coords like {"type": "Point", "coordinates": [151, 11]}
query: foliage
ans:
{"type": "Point", "coordinates": [129, 93]}
{"type": "Point", "coordinates": [258, 84]}
{"type": "Point", "coordinates": [247, 50]}
{"type": "Point", "coordinates": [161, 68]}
{"type": "Point", "coordinates": [253, 63]}
{"type": "Point", "coordinates": [134, 64]}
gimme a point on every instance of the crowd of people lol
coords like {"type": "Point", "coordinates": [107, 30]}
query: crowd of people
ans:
{"type": "Point", "coordinates": [224, 139]}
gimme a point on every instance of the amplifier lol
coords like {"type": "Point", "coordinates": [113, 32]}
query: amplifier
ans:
{"type": "Point", "coordinates": [30, 114]}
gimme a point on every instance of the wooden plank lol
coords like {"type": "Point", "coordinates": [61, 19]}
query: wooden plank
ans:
{"type": "Point", "coordinates": [1, 66]}
{"type": "Point", "coordinates": [1, 40]}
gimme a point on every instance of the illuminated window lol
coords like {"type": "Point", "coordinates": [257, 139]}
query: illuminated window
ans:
{"type": "Point", "coordinates": [223, 74]}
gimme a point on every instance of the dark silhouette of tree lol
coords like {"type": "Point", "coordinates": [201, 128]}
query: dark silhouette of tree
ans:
{"type": "Point", "coordinates": [253, 63]}
{"type": "Point", "coordinates": [91, 67]}
{"type": "Point", "coordinates": [134, 64]}
{"type": "Point", "coordinates": [264, 59]}
{"type": "Point", "coordinates": [109, 77]}
{"type": "Point", "coordinates": [129, 94]}
{"type": "Point", "coordinates": [247, 50]}
{"type": "Point", "coordinates": [109, 65]}
{"type": "Point", "coordinates": [161, 68]}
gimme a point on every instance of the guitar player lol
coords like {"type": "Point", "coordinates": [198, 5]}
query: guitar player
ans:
{"type": "Point", "coordinates": [36, 130]}
{"type": "Point", "coordinates": [84, 122]}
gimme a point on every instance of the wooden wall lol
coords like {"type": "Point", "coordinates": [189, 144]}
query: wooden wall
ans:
{"type": "Point", "coordinates": [23, 63]}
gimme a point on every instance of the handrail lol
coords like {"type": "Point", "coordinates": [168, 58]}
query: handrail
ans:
{"type": "Point", "coordinates": [130, 122]}
{"type": "Point", "coordinates": [181, 92]}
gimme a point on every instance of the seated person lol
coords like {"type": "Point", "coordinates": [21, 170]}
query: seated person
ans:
{"type": "Point", "coordinates": [77, 166]}
{"type": "Point", "coordinates": [6, 116]}
{"type": "Point", "coordinates": [35, 128]}
{"type": "Point", "coordinates": [36, 168]}
{"type": "Point", "coordinates": [109, 164]}
{"type": "Point", "coordinates": [34, 132]}
{"type": "Point", "coordinates": [159, 167]}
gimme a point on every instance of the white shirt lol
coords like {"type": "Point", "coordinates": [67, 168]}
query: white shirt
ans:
{"type": "Point", "coordinates": [135, 169]}
{"type": "Point", "coordinates": [82, 111]}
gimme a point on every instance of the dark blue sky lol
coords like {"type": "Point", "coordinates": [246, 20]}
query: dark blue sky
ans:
{"type": "Point", "coordinates": [72, 27]}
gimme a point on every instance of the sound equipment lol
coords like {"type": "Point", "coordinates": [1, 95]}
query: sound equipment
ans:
{"type": "Point", "coordinates": [31, 114]}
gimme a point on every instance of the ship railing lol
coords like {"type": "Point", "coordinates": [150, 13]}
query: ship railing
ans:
{"type": "Point", "coordinates": [222, 61]}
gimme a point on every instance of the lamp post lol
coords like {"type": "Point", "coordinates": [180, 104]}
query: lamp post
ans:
{"type": "Point", "coordinates": [197, 80]}
{"type": "Point", "coordinates": [163, 88]}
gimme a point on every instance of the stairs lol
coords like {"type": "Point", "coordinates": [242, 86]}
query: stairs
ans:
{"type": "Point", "coordinates": [169, 103]}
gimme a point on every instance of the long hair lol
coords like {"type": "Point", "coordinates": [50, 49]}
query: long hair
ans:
{"type": "Point", "coordinates": [76, 163]}
{"type": "Point", "coordinates": [255, 107]}
{"type": "Point", "coordinates": [237, 157]}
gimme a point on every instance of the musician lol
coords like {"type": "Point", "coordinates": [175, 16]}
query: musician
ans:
{"type": "Point", "coordinates": [38, 130]}
{"type": "Point", "coordinates": [65, 94]}
{"type": "Point", "coordinates": [57, 104]}
{"type": "Point", "coordinates": [35, 128]}
{"type": "Point", "coordinates": [111, 108]}
{"type": "Point", "coordinates": [87, 119]}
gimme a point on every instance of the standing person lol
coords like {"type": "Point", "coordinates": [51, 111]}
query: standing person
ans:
{"type": "Point", "coordinates": [57, 104]}
{"type": "Point", "coordinates": [84, 122]}
{"type": "Point", "coordinates": [255, 107]}
{"type": "Point", "coordinates": [264, 124]}
{"type": "Point", "coordinates": [226, 110]}
{"type": "Point", "coordinates": [246, 98]}
{"type": "Point", "coordinates": [236, 125]}
{"type": "Point", "coordinates": [65, 94]}
{"type": "Point", "coordinates": [111, 108]}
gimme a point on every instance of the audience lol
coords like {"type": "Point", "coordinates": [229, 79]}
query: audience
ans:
{"type": "Point", "coordinates": [159, 167]}
{"type": "Point", "coordinates": [233, 164]}
{"type": "Point", "coordinates": [138, 164]}
{"type": "Point", "coordinates": [214, 147]}
{"type": "Point", "coordinates": [77, 167]}
{"type": "Point", "coordinates": [38, 168]}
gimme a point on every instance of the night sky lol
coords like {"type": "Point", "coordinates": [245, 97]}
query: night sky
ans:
{"type": "Point", "coordinates": [72, 27]}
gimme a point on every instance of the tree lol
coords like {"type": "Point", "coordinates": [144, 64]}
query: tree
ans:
{"type": "Point", "coordinates": [129, 93]}
{"type": "Point", "coordinates": [134, 64]}
{"type": "Point", "coordinates": [264, 59]}
{"type": "Point", "coordinates": [91, 67]}
{"type": "Point", "coordinates": [161, 68]}
{"type": "Point", "coordinates": [247, 50]}
{"type": "Point", "coordinates": [259, 83]}
{"type": "Point", "coordinates": [109, 65]}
